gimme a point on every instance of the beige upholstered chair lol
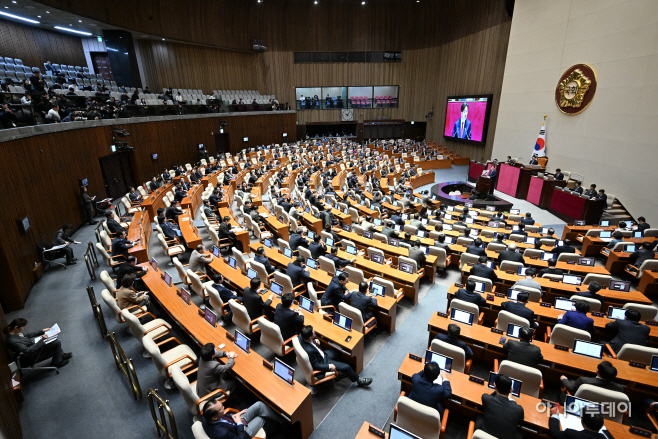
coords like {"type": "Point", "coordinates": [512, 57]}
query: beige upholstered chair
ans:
{"type": "Point", "coordinates": [531, 377]}
{"type": "Point", "coordinates": [180, 356]}
{"type": "Point", "coordinates": [496, 247]}
{"type": "Point", "coordinates": [154, 329]}
{"type": "Point", "coordinates": [198, 286]}
{"type": "Point", "coordinates": [442, 259]}
{"type": "Point", "coordinates": [371, 250]}
{"type": "Point", "coordinates": [600, 395]}
{"type": "Point", "coordinates": [356, 275]}
{"type": "Point", "coordinates": [534, 295]}
{"type": "Point", "coordinates": [647, 312]}
{"type": "Point", "coordinates": [327, 265]}
{"type": "Point", "coordinates": [488, 284]}
{"type": "Point", "coordinates": [604, 280]}
{"type": "Point", "coordinates": [270, 337]}
{"type": "Point", "coordinates": [469, 307]}
{"type": "Point", "coordinates": [110, 261]}
{"type": "Point", "coordinates": [532, 253]}
{"type": "Point", "coordinates": [313, 295]}
{"type": "Point", "coordinates": [189, 392]}
{"type": "Point", "coordinates": [261, 271]}
{"type": "Point", "coordinates": [510, 266]}
{"type": "Point", "coordinates": [467, 258]}
{"type": "Point", "coordinates": [419, 419]}
{"type": "Point", "coordinates": [357, 318]}
{"type": "Point", "coordinates": [389, 288]}
{"type": "Point", "coordinates": [284, 280]}
{"type": "Point", "coordinates": [649, 264]}
{"type": "Point", "coordinates": [312, 377]}
{"type": "Point", "coordinates": [240, 259]}
{"type": "Point", "coordinates": [172, 250]}
{"type": "Point", "coordinates": [241, 318]}
{"type": "Point", "coordinates": [108, 282]}
{"type": "Point", "coordinates": [303, 251]}
{"type": "Point", "coordinates": [506, 317]}
{"type": "Point", "coordinates": [633, 352]}
{"type": "Point", "coordinates": [565, 335]}
{"type": "Point", "coordinates": [459, 362]}
{"type": "Point", "coordinates": [465, 241]}
{"type": "Point", "coordinates": [180, 268]}
{"type": "Point", "coordinates": [472, 433]}
{"type": "Point", "coordinates": [568, 257]}
{"type": "Point", "coordinates": [111, 303]}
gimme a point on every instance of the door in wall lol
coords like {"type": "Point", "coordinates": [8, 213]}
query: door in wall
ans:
{"type": "Point", "coordinates": [117, 174]}
{"type": "Point", "coordinates": [102, 65]}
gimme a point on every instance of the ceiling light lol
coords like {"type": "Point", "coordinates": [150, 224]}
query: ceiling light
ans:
{"type": "Point", "coordinates": [163, 39]}
{"type": "Point", "coordinates": [13, 1]}
{"type": "Point", "coordinates": [18, 17]}
{"type": "Point", "coordinates": [6, 7]}
{"type": "Point", "coordinates": [315, 2]}
{"type": "Point", "coordinates": [39, 16]}
{"type": "Point", "coordinates": [363, 3]}
{"type": "Point", "coordinates": [47, 12]}
{"type": "Point", "coordinates": [72, 30]}
{"type": "Point", "coordinates": [79, 21]}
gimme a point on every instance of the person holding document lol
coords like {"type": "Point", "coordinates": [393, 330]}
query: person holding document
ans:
{"type": "Point", "coordinates": [36, 346]}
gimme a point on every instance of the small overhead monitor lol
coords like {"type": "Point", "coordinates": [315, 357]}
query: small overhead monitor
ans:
{"type": "Point", "coordinates": [283, 371]}
{"type": "Point", "coordinates": [571, 279]}
{"type": "Point", "coordinates": [287, 252]}
{"type": "Point", "coordinates": [251, 273]}
{"type": "Point", "coordinates": [375, 257]}
{"type": "Point", "coordinates": [406, 267]}
{"type": "Point", "coordinates": [167, 278]}
{"type": "Point", "coordinates": [516, 384]}
{"type": "Point", "coordinates": [564, 304]}
{"type": "Point", "coordinates": [210, 317]}
{"type": "Point", "coordinates": [277, 289]}
{"type": "Point", "coordinates": [377, 289]}
{"type": "Point", "coordinates": [185, 295]}
{"type": "Point", "coordinates": [154, 156]}
{"type": "Point", "coordinates": [306, 304]}
{"type": "Point", "coordinates": [588, 349]}
{"type": "Point", "coordinates": [200, 145]}
{"type": "Point", "coordinates": [267, 243]}
{"type": "Point", "coordinates": [84, 182]}
{"type": "Point", "coordinates": [461, 316]}
{"type": "Point", "coordinates": [513, 330]}
{"type": "Point", "coordinates": [343, 322]}
{"type": "Point", "coordinates": [245, 139]}
{"type": "Point", "coordinates": [367, 234]}
{"type": "Point", "coordinates": [445, 363]}
{"type": "Point", "coordinates": [587, 262]}
{"type": "Point", "coordinates": [242, 341]}
{"type": "Point", "coordinates": [578, 406]}
{"type": "Point", "coordinates": [285, 134]}
{"type": "Point", "coordinates": [312, 263]}
{"type": "Point", "coordinates": [232, 262]}
{"type": "Point", "coordinates": [351, 250]}
{"type": "Point", "coordinates": [620, 285]}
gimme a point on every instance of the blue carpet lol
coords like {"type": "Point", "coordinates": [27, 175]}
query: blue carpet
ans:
{"type": "Point", "coordinates": [356, 405]}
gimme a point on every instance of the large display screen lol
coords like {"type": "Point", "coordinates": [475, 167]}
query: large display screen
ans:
{"type": "Point", "coordinates": [467, 118]}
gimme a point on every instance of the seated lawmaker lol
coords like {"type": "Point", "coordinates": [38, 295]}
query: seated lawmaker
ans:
{"type": "Point", "coordinates": [451, 338]}
{"type": "Point", "coordinates": [127, 296]}
{"type": "Point", "coordinates": [520, 309]}
{"type": "Point", "coordinates": [578, 318]}
{"type": "Point", "coordinates": [170, 230]}
{"type": "Point", "coordinates": [482, 270]}
{"type": "Point", "coordinates": [199, 259]}
{"type": "Point", "coordinates": [511, 254]}
{"type": "Point", "coordinates": [591, 293]}
{"type": "Point", "coordinates": [338, 262]}
{"type": "Point", "coordinates": [130, 267]}
{"type": "Point", "coordinates": [521, 231]}
{"type": "Point", "coordinates": [528, 281]}
{"type": "Point", "coordinates": [326, 361]}
{"type": "Point", "coordinates": [120, 245]}
{"type": "Point", "coordinates": [469, 294]}
{"type": "Point", "coordinates": [287, 319]}
{"type": "Point", "coordinates": [298, 238]}
{"type": "Point", "coordinates": [317, 248]}
{"type": "Point", "coordinates": [218, 424]}
{"type": "Point", "coordinates": [605, 374]}
{"type": "Point", "coordinates": [297, 272]}
{"type": "Point", "coordinates": [566, 248]}
{"type": "Point", "coordinates": [417, 254]}
{"type": "Point", "coordinates": [224, 293]}
{"type": "Point", "coordinates": [642, 254]}
{"type": "Point", "coordinates": [523, 351]}
{"type": "Point", "coordinates": [261, 257]}
{"type": "Point", "coordinates": [62, 237]}
{"type": "Point", "coordinates": [173, 211]}
{"type": "Point", "coordinates": [528, 221]}
{"type": "Point", "coordinates": [253, 301]}
{"type": "Point", "coordinates": [336, 292]}
{"type": "Point", "coordinates": [363, 301]}
{"type": "Point", "coordinates": [617, 237]}
{"type": "Point", "coordinates": [559, 176]}
{"type": "Point", "coordinates": [476, 248]}
{"type": "Point", "coordinates": [591, 423]}
{"type": "Point", "coordinates": [212, 373]}
{"type": "Point", "coordinates": [22, 343]}
{"type": "Point", "coordinates": [502, 415]}
{"type": "Point", "coordinates": [629, 331]}
{"type": "Point", "coordinates": [551, 269]}
{"type": "Point", "coordinates": [425, 391]}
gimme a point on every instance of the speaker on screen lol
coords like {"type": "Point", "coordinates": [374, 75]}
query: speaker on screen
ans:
{"type": "Point", "coordinates": [467, 118]}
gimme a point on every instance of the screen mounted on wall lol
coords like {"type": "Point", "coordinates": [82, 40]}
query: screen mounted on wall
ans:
{"type": "Point", "coordinates": [467, 118]}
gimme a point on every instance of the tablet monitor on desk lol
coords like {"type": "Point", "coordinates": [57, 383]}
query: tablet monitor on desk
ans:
{"type": "Point", "coordinates": [545, 256]}
{"type": "Point", "coordinates": [351, 250]}
{"type": "Point", "coordinates": [277, 288]}
{"type": "Point", "coordinates": [450, 208]}
{"type": "Point", "coordinates": [637, 234]}
{"type": "Point", "coordinates": [605, 234]}
{"type": "Point", "coordinates": [231, 262]}
{"type": "Point", "coordinates": [242, 341]}
{"type": "Point", "coordinates": [447, 216]}
{"type": "Point", "coordinates": [564, 304]}
{"type": "Point", "coordinates": [620, 285]}
{"type": "Point", "coordinates": [367, 234]}
{"type": "Point", "coordinates": [521, 271]}
{"type": "Point", "coordinates": [544, 231]}
{"type": "Point", "coordinates": [490, 208]}
{"type": "Point", "coordinates": [630, 248]}
{"type": "Point", "coordinates": [425, 221]}
{"type": "Point", "coordinates": [461, 316]}
{"type": "Point", "coordinates": [346, 211]}
{"type": "Point", "coordinates": [283, 371]}
{"type": "Point", "coordinates": [421, 233]}
{"type": "Point", "coordinates": [377, 289]}
{"type": "Point", "coordinates": [571, 279]}
{"type": "Point", "coordinates": [474, 233]}
{"type": "Point", "coordinates": [513, 330]}
{"type": "Point", "coordinates": [395, 204]}
{"type": "Point", "coordinates": [394, 242]}
{"type": "Point", "coordinates": [347, 227]}
{"type": "Point", "coordinates": [434, 198]}
{"type": "Point", "coordinates": [251, 273]}
{"type": "Point", "coordinates": [516, 384]}
{"type": "Point", "coordinates": [469, 220]}
{"type": "Point", "coordinates": [167, 278]}
{"type": "Point", "coordinates": [377, 222]}
{"type": "Point", "coordinates": [515, 228]}
{"type": "Point", "coordinates": [445, 363]}
{"type": "Point", "coordinates": [588, 349]}
{"type": "Point", "coordinates": [215, 251]}
{"type": "Point", "coordinates": [577, 406]}
{"type": "Point", "coordinates": [405, 216]}
{"type": "Point", "coordinates": [604, 223]}
{"type": "Point", "coordinates": [425, 249]}
{"type": "Point", "coordinates": [306, 304]}
{"type": "Point", "coordinates": [397, 228]}
{"type": "Point", "coordinates": [329, 242]}
{"type": "Point", "coordinates": [493, 224]}
{"type": "Point", "coordinates": [407, 268]}
{"type": "Point", "coordinates": [529, 240]}
{"type": "Point", "coordinates": [210, 317]}
{"type": "Point", "coordinates": [447, 227]}
{"type": "Point", "coordinates": [287, 252]}
{"type": "Point", "coordinates": [312, 263]}
{"type": "Point", "coordinates": [654, 363]}
{"type": "Point", "coordinates": [185, 295]}
{"type": "Point", "coordinates": [515, 211]}
{"type": "Point", "coordinates": [469, 205]}
{"type": "Point", "coordinates": [396, 432]}
{"type": "Point", "coordinates": [311, 235]}
{"type": "Point", "coordinates": [616, 313]}
{"type": "Point", "coordinates": [479, 287]}
{"type": "Point", "coordinates": [154, 264]}
{"type": "Point", "coordinates": [579, 223]}
{"type": "Point", "coordinates": [449, 239]}
{"type": "Point", "coordinates": [267, 243]}
{"type": "Point", "coordinates": [512, 294]}
{"type": "Point", "coordinates": [375, 257]}
{"type": "Point", "coordinates": [343, 322]}
{"type": "Point", "coordinates": [587, 262]}
{"type": "Point", "coordinates": [490, 264]}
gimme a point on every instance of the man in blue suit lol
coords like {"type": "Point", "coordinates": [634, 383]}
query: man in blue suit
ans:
{"type": "Point", "coordinates": [451, 338]}
{"type": "Point", "coordinates": [462, 127]}
{"type": "Point", "coordinates": [578, 319]}
{"type": "Point", "coordinates": [262, 258]}
{"type": "Point", "coordinates": [425, 391]}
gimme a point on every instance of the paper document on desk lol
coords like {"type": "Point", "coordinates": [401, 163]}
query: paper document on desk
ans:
{"type": "Point", "coordinates": [574, 423]}
{"type": "Point", "coordinates": [264, 215]}
{"type": "Point", "coordinates": [606, 239]}
{"type": "Point", "coordinates": [52, 334]}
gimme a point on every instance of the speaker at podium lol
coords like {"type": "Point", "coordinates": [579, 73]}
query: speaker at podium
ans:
{"type": "Point", "coordinates": [483, 184]}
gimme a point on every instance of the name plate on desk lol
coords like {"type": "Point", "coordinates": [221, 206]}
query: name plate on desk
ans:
{"type": "Point", "coordinates": [490, 297]}
{"type": "Point", "coordinates": [640, 431]}
{"type": "Point", "coordinates": [230, 336]}
{"type": "Point", "coordinates": [545, 304]}
{"type": "Point", "coordinates": [555, 280]}
{"type": "Point", "coordinates": [598, 314]}
{"type": "Point", "coordinates": [637, 364]}
{"type": "Point", "coordinates": [571, 262]}
{"type": "Point", "coordinates": [441, 314]}
{"type": "Point", "coordinates": [562, 347]}
{"type": "Point", "coordinates": [651, 323]}
{"type": "Point", "coordinates": [500, 295]}
{"type": "Point", "coordinates": [415, 357]}
{"type": "Point", "coordinates": [459, 285]}
{"type": "Point", "coordinates": [202, 313]}
{"type": "Point", "coordinates": [376, 431]}
{"type": "Point", "coordinates": [510, 272]}
{"type": "Point", "coordinates": [496, 330]}
{"type": "Point", "coordinates": [267, 364]}
{"type": "Point", "coordinates": [476, 379]}
{"type": "Point", "coordinates": [327, 318]}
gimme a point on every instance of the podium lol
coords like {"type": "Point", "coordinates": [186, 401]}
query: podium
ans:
{"type": "Point", "coordinates": [515, 180]}
{"type": "Point", "coordinates": [540, 190]}
{"type": "Point", "coordinates": [483, 184]}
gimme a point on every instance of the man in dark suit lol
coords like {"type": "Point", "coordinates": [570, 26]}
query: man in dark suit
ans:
{"type": "Point", "coordinates": [533, 160]}
{"type": "Point", "coordinates": [130, 267]}
{"type": "Point", "coordinates": [521, 230]}
{"type": "Point", "coordinates": [287, 319]}
{"type": "Point", "coordinates": [262, 258]}
{"type": "Point", "coordinates": [559, 176]}
{"type": "Point", "coordinates": [566, 248]}
{"type": "Point", "coordinates": [519, 308]}
{"type": "Point", "coordinates": [462, 127]}
{"type": "Point", "coordinates": [579, 188]}
{"type": "Point", "coordinates": [335, 292]}
{"type": "Point", "coordinates": [225, 232]}
{"type": "Point", "coordinates": [641, 255]}
{"type": "Point", "coordinates": [218, 424]}
{"type": "Point", "coordinates": [550, 269]}
{"type": "Point", "coordinates": [112, 224]}
{"type": "Point", "coordinates": [425, 391]}
{"type": "Point", "coordinates": [338, 262]}
{"type": "Point", "coordinates": [417, 254]}
{"type": "Point", "coordinates": [169, 230]}
{"type": "Point", "coordinates": [591, 293]}
{"type": "Point", "coordinates": [298, 238]}
{"type": "Point", "coordinates": [476, 248]}
{"type": "Point", "coordinates": [253, 301]}
{"type": "Point", "coordinates": [62, 237]}
{"type": "Point", "coordinates": [591, 192]}
{"type": "Point", "coordinates": [173, 211]}
{"type": "Point", "coordinates": [523, 351]}
{"type": "Point", "coordinates": [528, 219]}
{"type": "Point", "coordinates": [363, 301]}
{"type": "Point", "coordinates": [389, 232]}
{"type": "Point", "coordinates": [469, 294]}
{"type": "Point", "coordinates": [502, 415]}
{"type": "Point", "coordinates": [605, 374]}
{"type": "Point", "coordinates": [224, 293]}
{"type": "Point", "coordinates": [451, 338]}
{"type": "Point", "coordinates": [153, 184]}
{"type": "Point", "coordinates": [628, 331]}
{"type": "Point", "coordinates": [510, 254]}
{"type": "Point", "coordinates": [642, 224]}
{"type": "Point", "coordinates": [135, 197]}
{"type": "Point", "coordinates": [120, 246]}
{"type": "Point", "coordinates": [578, 319]}
{"type": "Point", "coordinates": [297, 272]}
{"type": "Point", "coordinates": [325, 361]}
{"type": "Point", "coordinates": [591, 422]}
{"type": "Point", "coordinates": [317, 248]}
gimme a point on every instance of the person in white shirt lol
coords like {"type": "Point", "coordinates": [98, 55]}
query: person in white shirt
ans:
{"type": "Point", "coordinates": [27, 99]}
{"type": "Point", "coordinates": [53, 114]}
{"type": "Point", "coordinates": [179, 98]}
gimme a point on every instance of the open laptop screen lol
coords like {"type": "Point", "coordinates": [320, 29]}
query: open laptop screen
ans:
{"type": "Point", "coordinates": [398, 433]}
{"type": "Point", "coordinates": [306, 304]}
{"type": "Point", "coordinates": [564, 304]}
{"type": "Point", "coordinates": [513, 330]}
{"type": "Point", "coordinates": [577, 406]}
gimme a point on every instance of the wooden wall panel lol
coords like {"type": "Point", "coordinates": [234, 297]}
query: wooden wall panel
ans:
{"type": "Point", "coordinates": [36, 46]}
{"type": "Point", "coordinates": [39, 176]}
